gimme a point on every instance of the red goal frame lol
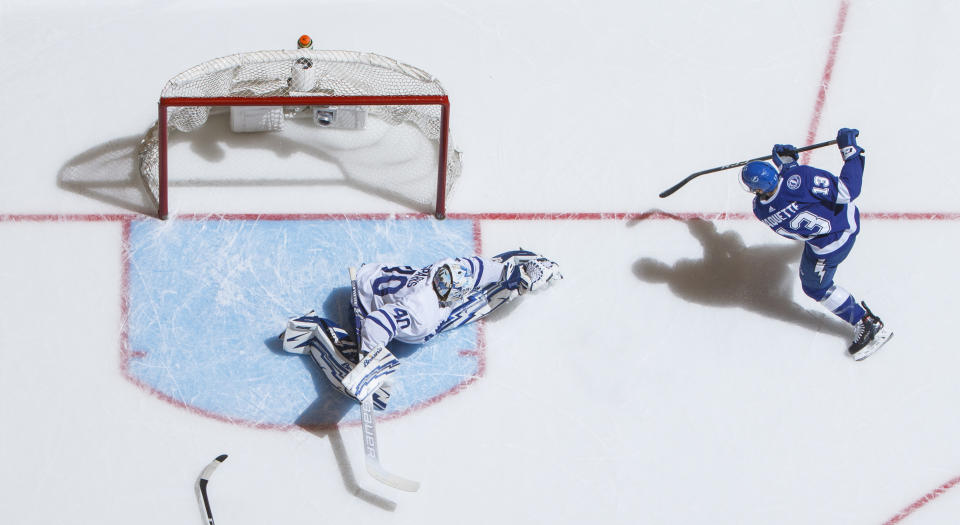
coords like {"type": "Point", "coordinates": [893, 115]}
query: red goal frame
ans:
{"type": "Point", "coordinates": [324, 100]}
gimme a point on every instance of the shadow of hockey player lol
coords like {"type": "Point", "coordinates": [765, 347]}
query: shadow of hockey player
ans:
{"type": "Point", "coordinates": [326, 413]}
{"type": "Point", "coordinates": [346, 470]}
{"type": "Point", "coordinates": [322, 418]}
{"type": "Point", "coordinates": [759, 279]}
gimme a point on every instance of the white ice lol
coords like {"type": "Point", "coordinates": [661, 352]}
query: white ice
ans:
{"type": "Point", "coordinates": [677, 375]}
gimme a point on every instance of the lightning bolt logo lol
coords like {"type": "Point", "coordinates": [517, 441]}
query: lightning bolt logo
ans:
{"type": "Point", "coordinates": [820, 269]}
{"type": "Point", "coordinates": [464, 313]}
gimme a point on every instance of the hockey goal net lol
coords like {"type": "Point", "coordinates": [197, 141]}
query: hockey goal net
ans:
{"type": "Point", "coordinates": [382, 124]}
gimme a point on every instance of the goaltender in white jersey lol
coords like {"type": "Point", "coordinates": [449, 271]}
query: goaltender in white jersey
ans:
{"type": "Point", "coordinates": [412, 305]}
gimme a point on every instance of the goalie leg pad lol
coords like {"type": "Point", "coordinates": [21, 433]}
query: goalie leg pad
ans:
{"type": "Point", "coordinates": [335, 367]}
{"type": "Point", "coordinates": [325, 347]}
{"type": "Point", "coordinates": [478, 305]}
{"type": "Point", "coordinates": [498, 296]}
{"type": "Point", "coordinates": [515, 257]}
{"type": "Point", "coordinates": [299, 331]}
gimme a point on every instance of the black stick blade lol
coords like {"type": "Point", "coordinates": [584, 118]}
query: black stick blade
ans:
{"type": "Point", "coordinates": [201, 488]}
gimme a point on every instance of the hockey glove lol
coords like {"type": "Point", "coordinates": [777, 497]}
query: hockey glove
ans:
{"type": "Point", "coordinates": [370, 373]}
{"type": "Point", "coordinates": [536, 274]}
{"type": "Point", "coordinates": [847, 142]}
{"type": "Point", "coordinates": [331, 348]}
{"type": "Point", "coordinates": [784, 155]}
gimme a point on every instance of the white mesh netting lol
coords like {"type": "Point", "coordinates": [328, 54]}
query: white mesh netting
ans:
{"type": "Point", "coordinates": [405, 136]}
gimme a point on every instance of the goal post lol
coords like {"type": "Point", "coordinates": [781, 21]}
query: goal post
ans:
{"type": "Point", "coordinates": [374, 106]}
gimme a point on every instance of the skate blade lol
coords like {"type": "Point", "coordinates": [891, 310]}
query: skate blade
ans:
{"type": "Point", "coordinates": [879, 340]}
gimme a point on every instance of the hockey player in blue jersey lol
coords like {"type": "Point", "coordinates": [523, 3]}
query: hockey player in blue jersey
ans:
{"type": "Point", "coordinates": [814, 206]}
{"type": "Point", "coordinates": [412, 305]}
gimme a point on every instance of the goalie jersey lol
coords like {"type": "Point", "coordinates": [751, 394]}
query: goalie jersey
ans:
{"type": "Point", "coordinates": [814, 206]}
{"type": "Point", "coordinates": [398, 302]}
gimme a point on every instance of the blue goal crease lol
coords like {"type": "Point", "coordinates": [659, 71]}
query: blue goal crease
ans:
{"type": "Point", "coordinates": [207, 300]}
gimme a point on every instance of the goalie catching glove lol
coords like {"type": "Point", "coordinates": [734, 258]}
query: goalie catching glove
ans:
{"type": "Point", "coordinates": [537, 274]}
{"type": "Point", "coordinates": [528, 272]}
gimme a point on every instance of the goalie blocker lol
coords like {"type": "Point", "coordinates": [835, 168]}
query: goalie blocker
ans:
{"type": "Point", "coordinates": [416, 306]}
{"type": "Point", "coordinates": [335, 353]}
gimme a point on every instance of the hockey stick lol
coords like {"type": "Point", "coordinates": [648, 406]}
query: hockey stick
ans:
{"type": "Point", "coordinates": [201, 488]}
{"type": "Point", "coordinates": [672, 189]}
{"type": "Point", "coordinates": [367, 419]}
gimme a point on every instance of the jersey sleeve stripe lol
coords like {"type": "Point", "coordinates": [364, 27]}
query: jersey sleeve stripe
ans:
{"type": "Point", "coordinates": [835, 298]}
{"type": "Point", "coordinates": [843, 193]}
{"type": "Point", "coordinates": [374, 317]}
{"type": "Point", "coordinates": [389, 318]}
{"type": "Point", "coordinates": [479, 270]}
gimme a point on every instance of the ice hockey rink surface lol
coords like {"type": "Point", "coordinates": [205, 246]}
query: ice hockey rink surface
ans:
{"type": "Point", "coordinates": [676, 375]}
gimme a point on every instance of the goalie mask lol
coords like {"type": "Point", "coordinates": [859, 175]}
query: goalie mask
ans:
{"type": "Point", "coordinates": [452, 282]}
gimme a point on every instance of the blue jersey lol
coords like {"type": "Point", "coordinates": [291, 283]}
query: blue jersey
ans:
{"type": "Point", "coordinates": [814, 206]}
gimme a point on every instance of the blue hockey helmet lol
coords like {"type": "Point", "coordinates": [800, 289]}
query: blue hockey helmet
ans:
{"type": "Point", "coordinates": [452, 282]}
{"type": "Point", "coordinates": [759, 177]}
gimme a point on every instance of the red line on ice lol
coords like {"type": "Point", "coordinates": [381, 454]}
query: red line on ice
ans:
{"type": "Point", "coordinates": [827, 74]}
{"type": "Point", "coordinates": [125, 353]}
{"type": "Point", "coordinates": [927, 498]}
{"type": "Point", "coordinates": [68, 217]}
{"type": "Point", "coordinates": [491, 216]}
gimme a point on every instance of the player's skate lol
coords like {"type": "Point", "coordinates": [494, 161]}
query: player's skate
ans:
{"type": "Point", "coordinates": [870, 335]}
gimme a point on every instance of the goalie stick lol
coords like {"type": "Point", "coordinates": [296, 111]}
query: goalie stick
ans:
{"type": "Point", "coordinates": [201, 488]}
{"type": "Point", "coordinates": [672, 189]}
{"type": "Point", "coordinates": [367, 419]}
